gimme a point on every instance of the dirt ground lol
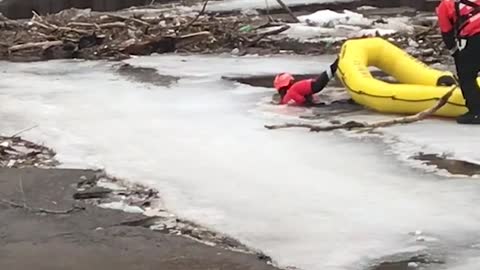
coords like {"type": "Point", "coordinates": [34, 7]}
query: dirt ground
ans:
{"type": "Point", "coordinates": [37, 233]}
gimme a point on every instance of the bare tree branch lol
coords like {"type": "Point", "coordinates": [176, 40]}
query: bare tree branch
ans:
{"type": "Point", "coordinates": [288, 10]}
{"type": "Point", "coordinates": [24, 198]}
{"type": "Point", "coordinates": [37, 210]}
{"type": "Point", "coordinates": [269, 33]}
{"type": "Point", "coordinates": [42, 210]}
{"type": "Point", "coordinates": [196, 17]}
{"type": "Point", "coordinates": [370, 126]}
{"type": "Point", "coordinates": [23, 130]}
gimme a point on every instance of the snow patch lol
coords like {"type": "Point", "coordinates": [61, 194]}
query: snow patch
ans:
{"type": "Point", "coordinates": [105, 183]}
{"type": "Point", "coordinates": [331, 26]}
{"type": "Point", "coordinates": [232, 5]}
{"type": "Point", "coordinates": [123, 206]}
{"type": "Point", "coordinates": [328, 18]}
{"type": "Point", "coordinates": [412, 265]}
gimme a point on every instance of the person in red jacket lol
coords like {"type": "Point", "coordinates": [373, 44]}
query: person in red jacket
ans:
{"type": "Point", "coordinates": [301, 92]}
{"type": "Point", "coordinates": [459, 22]}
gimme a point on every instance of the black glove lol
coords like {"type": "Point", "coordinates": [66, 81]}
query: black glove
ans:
{"type": "Point", "coordinates": [309, 100]}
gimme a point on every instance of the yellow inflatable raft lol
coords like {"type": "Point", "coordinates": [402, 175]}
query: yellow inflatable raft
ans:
{"type": "Point", "coordinates": [417, 89]}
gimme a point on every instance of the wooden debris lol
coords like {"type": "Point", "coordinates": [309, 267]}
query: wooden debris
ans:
{"type": "Point", "coordinates": [268, 33]}
{"type": "Point", "coordinates": [43, 45]}
{"type": "Point", "coordinates": [78, 31]}
{"type": "Point", "coordinates": [417, 117]}
{"type": "Point", "coordinates": [83, 24]}
{"type": "Point", "coordinates": [370, 126]}
{"type": "Point", "coordinates": [314, 128]}
{"type": "Point", "coordinates": [198, 15]}
{"type": "Point", "coordinates": [113, 36]}
{"type": "Point", "coordinates": [17, 153]}
{"type": "Point", "coordinates": [227, 32]}
{"type": "Point", "coordinates": [185, 40]}
{"type": "Point", "coordinates": [129, 19]}
{"type": "Point", "coordinates": [92, 193]}
{"type": "Point", "coordinates": [112, 25]}
{"type": "Point", "coordinates": [43, 25]}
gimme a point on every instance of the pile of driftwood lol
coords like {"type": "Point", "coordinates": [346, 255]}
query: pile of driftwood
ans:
{"type": "Point", "coordinates": [77, 33]}
{"type": "Point", "coordinates": [16, 152]}
{"type": "Point", "coordinates": [425, 44]}
{"type": "Point", "coordinates": [83, 34]}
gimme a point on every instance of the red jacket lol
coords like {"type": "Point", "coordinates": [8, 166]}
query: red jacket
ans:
{"type": "Point", "coordinates": [447, 18]}
{"type": "Point", "coordinates": [297, 92]}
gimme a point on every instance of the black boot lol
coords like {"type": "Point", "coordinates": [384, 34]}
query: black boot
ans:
{"type": "Point", "coordinates": [472, 118]}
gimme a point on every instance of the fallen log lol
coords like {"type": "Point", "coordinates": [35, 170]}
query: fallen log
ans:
{"type": "Point", "coordinates": [370, 126]}
{"type": "Point", "coordinates": [161, 44]}
{"type": "Point", "coordinates": [43, 45]}
{"type": "Point", "coordinates": [83, 24]}
{"type": "Point", "coordinates": [47, 37]}
{"type": "Point", "coordinates": [43, 25]}
{"type": "Point", "coordinates": [128, 19]}
{"type": "Point", "coordinates": [268, 33]}
{"type": "Point", "coordinates": [187, 39]}
{"type": "Point", "coordinates": [78, 31]}
{"type": "Point", "coordinates": [93, 193]}
{"type": "Point", "coordinates": [112, 25]}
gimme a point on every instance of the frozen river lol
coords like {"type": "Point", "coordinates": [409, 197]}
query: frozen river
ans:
{"type": "Point", "coordinates": [313, 201]}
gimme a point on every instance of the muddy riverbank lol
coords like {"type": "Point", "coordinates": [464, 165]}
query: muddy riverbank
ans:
{"type": "Point", "coordinates": [44, 227]}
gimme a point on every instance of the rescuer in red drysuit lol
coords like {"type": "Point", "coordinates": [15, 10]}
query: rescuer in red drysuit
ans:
{"type": "Point", "coordinates": [301, 92]}
{"type": "Point", "coordinates": [459, 22]}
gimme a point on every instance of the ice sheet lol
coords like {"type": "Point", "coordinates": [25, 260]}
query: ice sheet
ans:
{"type": "Point", "coordinates": [472, 263]}
{"type": "Point", "coordinates": [315, 201]}
{"type": "Point", "coordinates": [442, 136]}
